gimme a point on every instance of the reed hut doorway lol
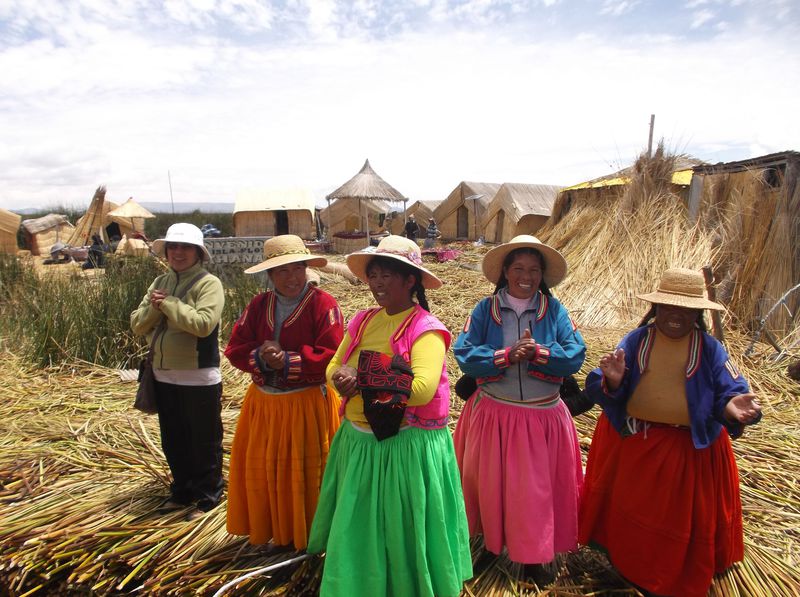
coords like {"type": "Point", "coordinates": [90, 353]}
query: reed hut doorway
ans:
{"type": "Point", "coordinates": [498, 231]}
{"type": "Point", "coordinates": [462, 222]}
{"type": "Point", "coordinates": [281, 222]}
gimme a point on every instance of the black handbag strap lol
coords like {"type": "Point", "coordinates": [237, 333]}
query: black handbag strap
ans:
{"type": "Point", "coordinates": [163, 323]}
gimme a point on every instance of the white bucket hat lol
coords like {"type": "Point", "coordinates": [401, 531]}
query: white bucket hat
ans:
{"type": "Point", "coordinates": [181, 232]}
{"type": "Point", "coordinates": [555, 266]}
{"type": "Point", "coordinates": [682, 288]}
{"type": "Point", "coordinates": [285, 249]}
{"type": "Point", "coordinates": [395, 247]}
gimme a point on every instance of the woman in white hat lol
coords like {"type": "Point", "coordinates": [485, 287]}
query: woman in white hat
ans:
{"type": "Point", "coordinates": [391, 514]}
{"type": "Point", "coordinates": [180, 315]}
{"type": "Point", "coordinates": [516, 443]}
{"type": "Point", "coordinates": [662, 489]}
{"type": "Point", "coordinates": [284, 339]}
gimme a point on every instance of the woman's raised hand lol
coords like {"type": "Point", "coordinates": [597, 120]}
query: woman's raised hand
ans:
{"type": "Point", "coordinates": [613, 367]}
{"type": "Point", "coordinates": [743, 408]}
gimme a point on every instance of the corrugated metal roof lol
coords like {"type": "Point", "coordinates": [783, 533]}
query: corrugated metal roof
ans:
{"type": "Point", "coordinates": [274, 199]}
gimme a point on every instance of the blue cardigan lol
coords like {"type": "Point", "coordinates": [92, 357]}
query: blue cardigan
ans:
{"type": "Point", "coordinates": [711, 381]}
{"type": "Point", "coordinates": [479, 348]}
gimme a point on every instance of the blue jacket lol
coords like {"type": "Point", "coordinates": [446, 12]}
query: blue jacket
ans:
{"type": "Point", "coordinates": [479, 348]}
{"type": "Point", "coordinates": [711, 381]}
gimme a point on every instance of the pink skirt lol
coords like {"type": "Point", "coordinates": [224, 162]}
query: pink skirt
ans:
{"type": "Point", "coordinates": [521, 475]}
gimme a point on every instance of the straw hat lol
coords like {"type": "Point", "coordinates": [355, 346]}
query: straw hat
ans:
{"type": "Point", "coordinates": [682, 288]}
{"type": "Point", "coordinates": [181, 232]}
{"type": "Point", "coordinates": [555, 266]}
{"type": "Point", "coordinates": [283, 249]}
{"type": "Point", "coordinates": [395, 247]}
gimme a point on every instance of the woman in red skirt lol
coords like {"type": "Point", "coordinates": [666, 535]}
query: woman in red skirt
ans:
{"type": "Point", "coordinates": [661, 492]}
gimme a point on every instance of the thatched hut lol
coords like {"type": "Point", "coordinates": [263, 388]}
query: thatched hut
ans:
{"type": "Point", "coordinates": [361, 206]}
{"type": "Point", "coordinates": [9, 225]}
{"type": "Point", "coordinates": [421, 210]}
{"type": "Point", "coordinates": [99, 220]}
{"type": "Point", "coordinates": [518, 209]}
{"type": "Point", "coordinates": [751, 208]}
{"type": "Point", "coordinates": [42, 233]}
{"type": "Point", "coordinates": [461, 214]}
{"type": "Point", "coordinates": [273, 212]}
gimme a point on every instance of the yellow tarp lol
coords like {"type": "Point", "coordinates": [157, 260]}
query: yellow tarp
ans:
{"type": "Point", "coordinates": [680, 177]}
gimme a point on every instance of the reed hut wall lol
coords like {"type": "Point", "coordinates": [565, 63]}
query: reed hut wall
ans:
{"type": "Point", "coordinates": [9, 225]}
{"type": "Point", "coordinates": [347, 215]}
{"type": "Point", "coordinates": [461, 218]}
{"type": "Point", "coordinates": [97, 221]}
{"type": "Point", "coordinates": [270, 222]}
{"type": "Point", "coordinates": [753, 216]}
{"type": "Point", "coordinates": [42, 233]}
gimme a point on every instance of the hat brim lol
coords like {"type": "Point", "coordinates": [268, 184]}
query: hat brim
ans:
{"type": "Point", "coordinates": [311, 260]}
{"type": "Point", "coordinates": [555, 266]}
{"type": "Point", "coordinates": [160, 246]}
{"type": "Point", "coordinates": [357, 264]}
{"type": "Point", "coordinates": [678, 300]}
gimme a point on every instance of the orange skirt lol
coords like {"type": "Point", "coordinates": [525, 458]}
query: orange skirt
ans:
{"type": "Point", "coordinates": [669, 515]}
{"type": "Point", "coordinates": [277, 460]}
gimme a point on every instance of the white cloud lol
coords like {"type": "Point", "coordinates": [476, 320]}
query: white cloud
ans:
{"type": "Point", "coordinates": [701, 17]}
{"type": "Point", "coordinates": [428, 108]}
{"type": "Point", "coordinates": [618, 7]}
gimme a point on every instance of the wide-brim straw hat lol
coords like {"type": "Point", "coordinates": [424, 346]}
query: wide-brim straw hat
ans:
{"type": "Point", "coordinates": [555, 266]}
{"type": "Point", "coordinates": [182, 232]}
{"type": "Point", "coordinates": [395, 247]}
{"type": "Point", "coordinates": [682, 288]}
{"type": "Point", "coordinates": [285, 249]}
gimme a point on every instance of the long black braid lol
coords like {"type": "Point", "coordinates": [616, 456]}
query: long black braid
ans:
{"type": "Point", "coordinates": [502, 282]}
{"type": "Point", "coordinates": [405, 270]}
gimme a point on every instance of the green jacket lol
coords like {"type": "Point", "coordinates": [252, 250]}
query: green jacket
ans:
{"type": "Point", "coordinates": [191, 340]}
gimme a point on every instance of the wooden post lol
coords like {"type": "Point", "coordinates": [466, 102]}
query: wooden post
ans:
{"type": "Point", "coordinates": [716, 317]}
{"type": "Point", "coordinates": [650, 139]}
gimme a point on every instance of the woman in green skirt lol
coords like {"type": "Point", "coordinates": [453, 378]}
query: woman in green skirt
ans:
{"type": "Point", "coordinates": [391, 515]}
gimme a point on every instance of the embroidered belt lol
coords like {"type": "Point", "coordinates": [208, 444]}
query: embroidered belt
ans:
{"type": "Point", "coordinates": [541, 402]}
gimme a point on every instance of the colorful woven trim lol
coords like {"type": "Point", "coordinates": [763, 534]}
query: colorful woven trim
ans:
{"type": "Point", "coordinates": [731, 368]}
{"type": "Point", "coordinates": [466, 323]}
{"type": "Point", "coordinates": [253, 362]}
{"type": "Point", "coordinates": [645, 348]}
{"type": "Point", "coordinates": [544, 301]}
{"type": "Point", "coordinates": [495, 310]}
{"type": "Point", "coordinates": [299, 308]}
{"type": "Point", "coordinates": [295, 366]}
{"type": "Point", "coordinates": [401, 329]}
{"type": "Point", "coordinates": [270, 315]}
{"type": "Point", "coordinates": [416, 421]}
{"type": "Point", "coordinates": [695, 345]}
{"type": "Point", "coordinates": [542, 355]}
{"type": "Point", "coordinates": [500, 358]}
{"type": "Point", "coordinates": [412, 256]}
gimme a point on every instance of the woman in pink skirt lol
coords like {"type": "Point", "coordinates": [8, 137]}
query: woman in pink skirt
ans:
{"type": "Point", "coordinates": [516, 444]}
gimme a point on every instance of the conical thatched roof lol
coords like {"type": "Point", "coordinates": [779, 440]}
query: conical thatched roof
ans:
{"type": "Point", "coordinates": [131, 209]}
{"type": "Point", "coordinates": [367, 185]}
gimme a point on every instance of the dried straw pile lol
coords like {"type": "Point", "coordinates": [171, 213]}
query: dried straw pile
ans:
{"type": "Point", "coordinates": [81, 474]}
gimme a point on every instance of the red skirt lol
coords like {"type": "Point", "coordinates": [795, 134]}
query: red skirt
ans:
{"type": "Point", "coordinates": [669, 515]}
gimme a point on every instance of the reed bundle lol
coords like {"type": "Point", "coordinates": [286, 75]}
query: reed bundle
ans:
{"type": "Point", "coordinates": [81, 474]}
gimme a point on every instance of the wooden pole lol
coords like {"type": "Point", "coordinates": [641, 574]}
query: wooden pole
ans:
{"type": "Point", "coordinates": [650, 139]}
{"type": "Point", "coordinates": [716, 317]}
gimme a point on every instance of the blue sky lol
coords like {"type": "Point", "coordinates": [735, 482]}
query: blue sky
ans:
{"type": "Point", "coordinates": [235, 94]}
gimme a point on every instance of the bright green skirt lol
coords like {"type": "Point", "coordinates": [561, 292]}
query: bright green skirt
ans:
{"type": "Point", "coordinates": [391, 516]}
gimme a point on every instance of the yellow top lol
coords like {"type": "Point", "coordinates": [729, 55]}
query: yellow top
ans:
{"type": "Point", "coordinates": [660, 395]}
{"type": "Point", "coordinates": [427, 358]}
